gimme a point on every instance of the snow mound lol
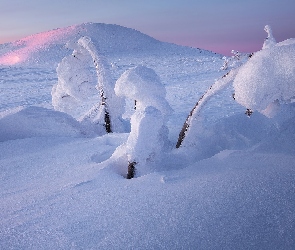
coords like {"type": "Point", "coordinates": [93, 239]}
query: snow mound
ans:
{"type": "Point", "coordinates": [143, 85]}
{"type": "Point", "coordinates": [38, 122]}
{"type": "Point", "coordinates": [49, 47]}
{"type": "Point", "coordinates": [267, 79]}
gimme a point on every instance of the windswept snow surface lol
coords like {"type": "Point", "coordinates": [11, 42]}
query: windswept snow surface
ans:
{"type": "Point", "coordinates": [62, 187]}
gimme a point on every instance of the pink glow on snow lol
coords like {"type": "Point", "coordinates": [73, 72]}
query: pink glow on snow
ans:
{"type": "Point", "coordinates": [12, 58]}
{"type": "Point", "coordinates": [32, 44]}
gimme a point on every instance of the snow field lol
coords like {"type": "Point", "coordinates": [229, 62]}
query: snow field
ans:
{"type": "Point", "coordinates": [64, 187]}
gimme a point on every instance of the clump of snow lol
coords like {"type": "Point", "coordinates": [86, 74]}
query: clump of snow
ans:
{"type": "Point", "coordinates": [143, 85]}
{"type": "Point", "coordinates": [75, 92]}
{"type": "Point", "coordinates": [267, 79]}
{"type": "Point", "coordinates": [149, 134]}
{"type": "Point", "coordinates": [270, 41]}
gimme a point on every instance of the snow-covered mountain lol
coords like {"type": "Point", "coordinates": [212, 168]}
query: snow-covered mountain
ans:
{"type": "Point", "coordinates": [51, 46]}
{"type": "Point", "coordinates": [230, 185]}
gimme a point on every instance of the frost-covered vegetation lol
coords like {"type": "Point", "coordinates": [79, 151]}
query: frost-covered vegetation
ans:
{"type": "Point", "coordinates": [69, 143]}
{"type": "Point", "coordinates": [149, 133]}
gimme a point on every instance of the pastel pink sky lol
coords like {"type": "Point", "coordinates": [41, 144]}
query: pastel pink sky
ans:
{"type": "Point", "coordinates": [220, 26]}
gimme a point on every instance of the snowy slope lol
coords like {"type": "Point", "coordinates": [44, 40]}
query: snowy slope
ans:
{"type": "Point", "coordinates": [67, 201]}
{"type": "Point", "coordinates": [61, 186]}
{"type": "Point", "coordinates": [51, 46]}
{"type": "Point", "coordinates": [35, 73]}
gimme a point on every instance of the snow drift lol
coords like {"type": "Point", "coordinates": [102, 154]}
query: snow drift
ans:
{"type": "Point", "coordinates": [39, 122]}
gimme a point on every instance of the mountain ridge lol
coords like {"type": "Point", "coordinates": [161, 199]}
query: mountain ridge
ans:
{"type": "Point", "coordinates": [51, 46]}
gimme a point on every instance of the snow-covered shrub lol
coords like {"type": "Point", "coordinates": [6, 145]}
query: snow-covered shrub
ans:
{"type": "Point", "coordinates": [235, 61]}
{"type": "Point", "coordinates": [261, 81]}
{"type": "Point", "coordinates": [75, 91]}
{"type": "Point", "coordinates": [268, 78]}
{"type": "Point", "coordinates": [148, 133]}
{"type": "Point", "coordinates": [191, 125]}
{"type": "Point", "coordinates": [111, 106]}
{"type": "Point", "coordinates": [269, 41]}
{"type": "Point", "coordinates": [85, 88]}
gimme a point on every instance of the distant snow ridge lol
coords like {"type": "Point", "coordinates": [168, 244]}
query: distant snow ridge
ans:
{"type": "Point", "coordinates": [48, 48]}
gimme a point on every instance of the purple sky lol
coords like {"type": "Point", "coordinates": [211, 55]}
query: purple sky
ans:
{"type": "Point", "coordinates": [217, 25]}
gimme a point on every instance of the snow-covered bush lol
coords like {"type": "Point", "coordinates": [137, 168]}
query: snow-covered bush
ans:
{"type": "Point", "coordinates": [268, 78]}
{"type": "Point", "coordinates": [235, 61]}
{"type": "Point", "coordinates": [148, 134]}
{"type": "Point", "coordinates": [269, 41]}
{"type": "Point", "coordinates": [191, 125]}
{"type": "Point", "coordinates": [261, 81]}
{"type": "Point", "coordinates": [85, 88]}
{"type": "Point", "coordinates": [75, 91]}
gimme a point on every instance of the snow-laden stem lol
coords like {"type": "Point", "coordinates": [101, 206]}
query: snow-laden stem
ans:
{"type": "Point", "coordinates": [103, 79]}
{"type": "Point", "coordinates": [216, 87]}
{"type": "Point", "coordinates": [131, 170]}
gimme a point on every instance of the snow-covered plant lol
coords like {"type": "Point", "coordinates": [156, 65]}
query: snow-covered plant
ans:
{"type": "Point", "coordinates": [268, 79]}
{"type": "Point", "coordinates": [269, 41]}
{"type": "Point", "coordinates": [148, 123]}
{"type": "Point", "coordinates": [234, 61]}
{"type": "Point", "coordinates": [77, 95]}
{"type": "Point", "coordinates": [75, 92]}
{"type": "Point", "coordinates": [190, 124]}
{"type": "Point", "coordinates": [261, 81]}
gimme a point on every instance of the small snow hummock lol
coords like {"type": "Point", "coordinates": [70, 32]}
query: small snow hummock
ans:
{"type": "Point", "coordinates": [268, 78]}
{"type": "Point", "coordinates": [76, 92]}
{"type": "Point", "coordinates": [149, 133]}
